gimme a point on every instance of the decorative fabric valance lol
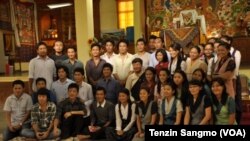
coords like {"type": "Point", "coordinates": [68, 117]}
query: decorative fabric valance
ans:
{"type": "Point", "coordinates": [183, 36]}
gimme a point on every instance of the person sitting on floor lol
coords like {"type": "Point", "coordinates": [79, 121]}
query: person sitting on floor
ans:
{"type": "Point", "coordinates": [17, 110]}
{"type": "Point", "coordinates": [102, 115]}
{"type": "Point", "coordinates": [70, 114]}
{"type": "Point", "coordinates": [146, 113]}
{"type": "Point", "coordinates": [125, 119]}
{"type": "Point", "coordinates": [42, 118]}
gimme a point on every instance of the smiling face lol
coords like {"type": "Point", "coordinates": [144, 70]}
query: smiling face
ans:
{"type": "Point", "coordinates": [158, 43]}
{"type": "Point", "coordinates": [58, 47]}
{"type": "Point", "coordinates": [163, 76]}
{"type": "Point", "coordinates": [95, 51]}
{"type": "Point", "coordinates": [173, 53]}
{"type": "Point", "coordinates": [42, 99]}
{"type": "Point", "coordinates": [217, 89]}
{"type": "Point", "coordinates": [143, 95]}
{"type": "Point", "coordinates": [168, 91]}
{"type": "Point", "coordinates": [208, 51]}
{"type": "Point", "coordinates": [194, 54]}
{"type": "Point", "coordinates": [140, 46]}
{"type": "Point", "coordinates": [159, 56]}
{"type": "Point", "coordinates": [222, 51]}
{"type": "Point", "coordinates": [137, 67]}
{"type": "Point", "coordinates": [194, 89]}
{"type": "Point", "coordinates": [106, 72]}
{"type": "Point", "coordinates": [62, 74]}
{"type": "Point", "coordinates": [42, 51]}
{"type": "Point", "coordinates": [123, 48]}
{"type": "Point", "coordinates": [72, 93]}
{"type": "Point", "coordinates": [100, 96]}
{"type": "Point", "coordinates": [149, 75]}
{"type": "Point", "coordinates": [123, 98]}
{"type": "Point", "coordinates": [109, 47]}
{"type": "Point", "coordinates": [178, 79]}
{"type": "Point", "coordinates": [40, 84]}
{"type": "Point", "coordinates": [71, 53]}
{"type": "Point", "coordinates": [78, 77]}
{"type": "Point", "coordinates": [197, 75]}
{"type": "Point", "coordinates": [18, 90]}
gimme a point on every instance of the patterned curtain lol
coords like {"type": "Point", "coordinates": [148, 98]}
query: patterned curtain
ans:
{"type": "Point", "coordinates": [23, 19]}
{"type": "Point", "coordinates": [25, 22]}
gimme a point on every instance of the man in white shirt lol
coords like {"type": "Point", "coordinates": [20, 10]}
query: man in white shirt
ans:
{"type": "Point", "coordinates": [41, 66]}
{"type": "Point", "coordinates": [141, 53]}
{"type": "Point", "coordinates": [59, 87]}
{"type": "Point", "coordinates": [17, 109]}
{"type": "Point", "coordinates": [109, 54]}
{"type": "Point", "coordinates": [122, 62]}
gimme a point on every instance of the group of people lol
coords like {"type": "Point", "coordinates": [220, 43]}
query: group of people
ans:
{"type": "Point", "coordinates": [123, 92]}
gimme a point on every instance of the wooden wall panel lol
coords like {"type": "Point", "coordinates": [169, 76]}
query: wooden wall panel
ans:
{"type": "Point", "coordinates": [243, 45]}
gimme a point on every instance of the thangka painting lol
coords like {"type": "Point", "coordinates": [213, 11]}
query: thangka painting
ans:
{"type": "Point", "coordinates": [25, 20]}
{"type": "Point", "coordinates": [229, 17]}
{"type": "Point", "coordinates": [5, 18]}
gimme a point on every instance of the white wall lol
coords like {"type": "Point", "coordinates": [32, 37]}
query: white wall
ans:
{"type": "Point", "coordinates": [108, 15]}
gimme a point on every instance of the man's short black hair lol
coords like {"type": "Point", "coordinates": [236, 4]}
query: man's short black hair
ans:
{"type": "Point", "coordinates": [100, 88]}
{"type": "Point", "coordinates": [73, 85]}
{"type": "Point", "coordinates": [95, 45]}
{"type": "Point", "coordinates": [39, 79]}
{"type": "Point", "coordinates": [81, 70]}
{"type": "Point", "coordinates": [41, 43]}
{"type": "Point", "coordinates": [64, 68]}
{"type": "Point", "coordinates": [110, 41]}
{"type": "Point", "coordinates": [43, 91]}
{"type": "Point", "coordinates": [18, 82]}
{"type": "Point", "coordinates": [107, 65]}
{"type": "Point", "coordinates": [152, 37]}
{"type": "Point", "coordinates": [141, 40]}
{"type": "Point", "coordinates": [137, 60]}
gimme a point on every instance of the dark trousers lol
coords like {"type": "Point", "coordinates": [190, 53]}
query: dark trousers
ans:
{"type": "Point", "coordinates": [8, 135]}
{"type": "Point", "coordinates": [72, 126]}
{"type": "Point", "coordinates": [100, 134]}
{"type": "Point", "coordinates": [238, 100]}
{"type": "Point", "coordinates": [85, 126]}
{"type": "Point", "coordinates": [127, 136]}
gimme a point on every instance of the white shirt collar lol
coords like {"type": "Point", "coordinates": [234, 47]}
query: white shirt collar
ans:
{"type": "Point", "coordinates": [106, 54]}
{"type": "Point", "coordinates": [102, 105]}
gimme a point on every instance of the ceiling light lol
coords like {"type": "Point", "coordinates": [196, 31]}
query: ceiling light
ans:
{"type": "Point", "coordinates": [58, 5]}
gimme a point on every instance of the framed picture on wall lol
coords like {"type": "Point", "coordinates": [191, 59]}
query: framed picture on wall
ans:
{"type": "Point", "coordinates": [5, 17]}
{"type": "Point", "coordinates": [8, 43]}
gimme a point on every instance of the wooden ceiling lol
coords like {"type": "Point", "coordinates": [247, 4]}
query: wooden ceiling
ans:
{"type": "Point", "coordinates": [42, 4]}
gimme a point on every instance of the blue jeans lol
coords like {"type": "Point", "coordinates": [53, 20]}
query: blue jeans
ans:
{"type": "Point", "coordinates": [30, 133]}
{"type": "Point", "coordinates": [8, 135]}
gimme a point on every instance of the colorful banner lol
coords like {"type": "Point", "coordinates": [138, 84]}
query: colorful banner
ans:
{"type": "Point", "coordinates": [25, 20]}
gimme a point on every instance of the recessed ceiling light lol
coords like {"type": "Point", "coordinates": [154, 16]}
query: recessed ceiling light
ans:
{"type": "Point", "coordinates": [58, 5]}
